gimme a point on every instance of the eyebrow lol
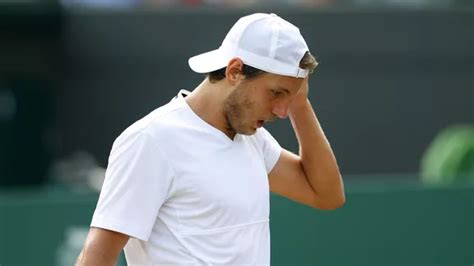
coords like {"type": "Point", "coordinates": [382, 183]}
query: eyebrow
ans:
{"type": "Point", "coordinates": [283, 89]}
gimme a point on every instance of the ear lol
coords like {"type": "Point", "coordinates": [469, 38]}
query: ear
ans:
{"type": "Point", "coordinates": [233, 71]}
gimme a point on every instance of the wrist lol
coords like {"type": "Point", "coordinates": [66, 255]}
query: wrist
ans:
{"type": "Point", "coordinates": [300, 106]}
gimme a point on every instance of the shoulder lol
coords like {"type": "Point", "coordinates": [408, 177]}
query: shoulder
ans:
{"type": "Point", "coordinates": [155, 126]}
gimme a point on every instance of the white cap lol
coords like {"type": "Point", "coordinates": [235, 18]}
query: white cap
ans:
{"type": "Point", "coordinates": [263, 41]}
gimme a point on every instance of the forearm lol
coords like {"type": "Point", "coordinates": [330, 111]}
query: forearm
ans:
{"type": "Point", "coordinates": [317, 157]}
{"type": "Point", "coordinates": [93, 255]}
{"type": "Point", "coordinates": [102, 247]}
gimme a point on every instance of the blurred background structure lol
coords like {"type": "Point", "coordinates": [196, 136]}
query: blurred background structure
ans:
{"type": "Point", "coordinates": [394, 92]}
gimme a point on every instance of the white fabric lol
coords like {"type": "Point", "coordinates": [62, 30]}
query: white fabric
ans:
{"type": "Point", "coordinates": [263, 41]}
{"type": "Point", "coordinates": [186, 193]}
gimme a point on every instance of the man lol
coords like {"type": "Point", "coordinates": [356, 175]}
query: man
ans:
{"type": "Point", "coordinates": [189, 183]}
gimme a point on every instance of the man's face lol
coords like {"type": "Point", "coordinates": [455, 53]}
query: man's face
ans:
{"type": "Point", "coordinates": [261, 99]}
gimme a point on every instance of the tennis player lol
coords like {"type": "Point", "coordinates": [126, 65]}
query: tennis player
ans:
{"type": "Point", "coordinates": [189, 183]}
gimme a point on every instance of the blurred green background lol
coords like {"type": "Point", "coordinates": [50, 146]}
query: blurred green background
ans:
{"type": "Point", "coordinates": [394, 93]}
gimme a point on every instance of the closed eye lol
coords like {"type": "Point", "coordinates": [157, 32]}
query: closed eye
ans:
{"type": "Point", "coordinates": [276, 93]}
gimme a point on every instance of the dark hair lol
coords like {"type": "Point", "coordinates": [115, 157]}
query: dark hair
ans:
{"type": "Point", "coordinates": [248, 71]}
{"type": "Point", "coordinates": [307, 62]}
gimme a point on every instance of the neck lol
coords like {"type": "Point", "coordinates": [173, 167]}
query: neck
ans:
{"type": "Point", "coordinates": [207, 101]}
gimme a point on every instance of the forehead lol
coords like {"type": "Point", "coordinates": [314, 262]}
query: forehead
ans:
{"type": "Point", "coordinates": [274, 81]}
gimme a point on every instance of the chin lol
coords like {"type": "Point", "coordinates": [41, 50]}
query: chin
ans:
{"type": "Point", "coordinates": [245, 129]}
{"type": "Point", "coordinates": [249, 131]}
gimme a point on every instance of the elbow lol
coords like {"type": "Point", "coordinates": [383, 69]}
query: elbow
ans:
{"type": "Point", "coordinates": [338, 204]}
{"type": "Point", "coordinates": [333, 204]}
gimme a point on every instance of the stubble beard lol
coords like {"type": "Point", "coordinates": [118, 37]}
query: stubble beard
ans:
{"type": "Point", "coordinates": [237, 107]}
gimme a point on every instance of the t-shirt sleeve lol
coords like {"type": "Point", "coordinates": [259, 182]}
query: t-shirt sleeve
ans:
{"type": "Point", "coordinates": [137, 182]}
{"type": "Point", "coordinates": [271, 149]}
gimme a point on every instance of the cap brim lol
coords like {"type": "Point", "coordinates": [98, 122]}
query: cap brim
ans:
{"type": "Point", "coordinates": [208, 62]}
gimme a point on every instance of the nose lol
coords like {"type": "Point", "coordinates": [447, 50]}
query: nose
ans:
{"type": "Point", "coordinates": [281, 109]}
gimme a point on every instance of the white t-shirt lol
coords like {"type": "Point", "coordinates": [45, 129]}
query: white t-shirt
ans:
{"type": "Point", "coordinates": [186, 193]}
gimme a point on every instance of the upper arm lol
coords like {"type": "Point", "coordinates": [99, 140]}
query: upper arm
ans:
{"type": "Point", "coordinates": [102, 247]}
{"type": "Point", "coordinates": [287, 178]}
